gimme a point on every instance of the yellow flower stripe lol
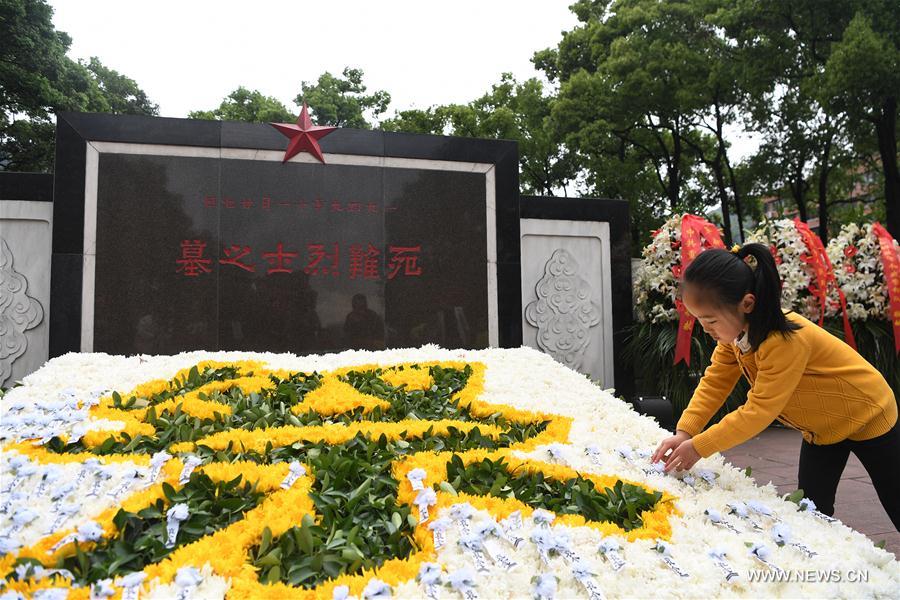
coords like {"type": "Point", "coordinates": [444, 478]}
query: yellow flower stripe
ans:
{"type": "Point", "coordinates": [132, 503]}
{"type": "Point", "coordinates": [656, 522]}
{"type": "Point", "coordinates": [227, 551]}
{"type": "Point", "coordinates": [29, 587]}
{"type": "Point", "coordinates": [42, 455]}
{"type": "Point", "coordinates": [158, 386]}
{"type": "Point", "coordinates": [413, 378]}
{"type": "Point", "coordinates": [130, 426]}
{"type": "Point", "coordinates": [192, 404]}
{"type": "Point", "coordinates": [334, 397]}
{"type": "Point", "coordinates": [334, 433]}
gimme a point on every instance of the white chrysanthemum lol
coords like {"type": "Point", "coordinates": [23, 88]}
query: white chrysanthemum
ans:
{"type": "Point", "coordinates": [656, 285]}
{"type": "Point", "coordinates": [856, 256]}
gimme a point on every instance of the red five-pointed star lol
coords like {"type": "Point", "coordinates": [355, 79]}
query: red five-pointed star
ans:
{"type": "Point", "coordinates": [304, 136]}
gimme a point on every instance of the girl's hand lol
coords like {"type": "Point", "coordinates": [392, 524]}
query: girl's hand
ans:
{"type": "Point", "coordinates": [683, 457]}
{"type": "Point", "coordinates": [670, 443]}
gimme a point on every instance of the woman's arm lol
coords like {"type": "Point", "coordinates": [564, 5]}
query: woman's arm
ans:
{"type": "Point", "coordinates": [717, 382]}
{"type": "Point", "coordinates": [781, 363]}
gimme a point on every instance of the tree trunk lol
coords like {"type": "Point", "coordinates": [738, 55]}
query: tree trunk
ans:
{"type": "Point", "coordinates": [885, 129]}
{"type": "Point", "coordinates": [798, 189]}
{"type": "Point", "coordinates": [723, 151]}
{"type": "Point", "coordinates": [824, 170]}
{"type": "Point", "coordinates": [723, 197]}
{"type": "Point", "coordinates": [675, 166]}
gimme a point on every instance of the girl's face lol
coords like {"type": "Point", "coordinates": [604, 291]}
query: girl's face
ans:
{"type": "Point", "coordinates": [723, 323]}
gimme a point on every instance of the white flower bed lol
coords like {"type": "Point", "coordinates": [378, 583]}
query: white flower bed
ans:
{"type": "Point", "coordinates": [619, 440]}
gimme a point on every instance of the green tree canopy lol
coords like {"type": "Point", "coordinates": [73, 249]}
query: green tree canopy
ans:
{"type": "Point", "coordinates": [511, 110]}
{"type": "Point", "coordinates": [249, 106]}
{"type": "Point", "coordinates": [342, 101]}
{"type": "Point", "coordinates": [37, 79]}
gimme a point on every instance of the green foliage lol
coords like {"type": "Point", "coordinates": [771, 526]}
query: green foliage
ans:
{"type": "Point", "coordinates": [622, 504]}
{"type": "Point", "coordinates": [796, 496]}
{"type": "Point", "coordinates": [37, 79]}
{"type": "Point", "coordinates": [512, 110]}
{"type": "Point", "coordinates": [342, 101]}
{"type": "Point", "coordinates": [361, 524]}
{"type": "Point", "coordinates": [141, 537]}
{"type": "Point", "coordinates": [248, 106]}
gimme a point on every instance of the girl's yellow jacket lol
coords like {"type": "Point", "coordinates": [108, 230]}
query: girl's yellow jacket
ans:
{"type": "Point", "coordinates": [808, 380]}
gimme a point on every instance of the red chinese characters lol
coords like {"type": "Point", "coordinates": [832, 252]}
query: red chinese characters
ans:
{"type": "Point", "coordinates": [321, 261]}
{"type": "Point", "coordinates": [233, 256]}
{"type": "Point", "coordinates": [405, 260]}
{"type": "Point", "coordinates": [279, 260]}
{"type": "Point", "coordinates": [364, 261]}
{"type": "Point", "coordinates": [192, 262]}
{"type": "Point", "coordinates": [318, 204]}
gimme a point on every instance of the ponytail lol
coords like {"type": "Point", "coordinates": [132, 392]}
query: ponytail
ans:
{"type": "Point", "coordinates": [729, 276]}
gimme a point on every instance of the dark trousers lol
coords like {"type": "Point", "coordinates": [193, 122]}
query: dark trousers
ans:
{"type": "Point", "coordinates": [821, 468]}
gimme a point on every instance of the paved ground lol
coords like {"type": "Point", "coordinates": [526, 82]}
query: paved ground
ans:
{"type": "Point", "coordinates": [774, 456]}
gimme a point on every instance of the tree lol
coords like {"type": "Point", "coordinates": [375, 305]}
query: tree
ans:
{"type": "Point", "coordinates": [823, 78]}
{"type": "Point", "coordinates": [511, 111]}
{"type": "Point", "coordinates": [343, 102]}
{"type": "Point", "coordinates": [122, 94]}
{"type": "Point", "coordinates": [248, 106]}
{"type": "Point", "coordinates": [862, 78]}
{"type": "Point", "coordinates": [636, 84]}
{"type": "Point", "coordinates": [37, 79]}
{"type": "Point", "coordinates": [432, 120]}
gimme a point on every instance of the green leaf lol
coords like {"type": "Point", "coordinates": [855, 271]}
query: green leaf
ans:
{"type": "Point", "coordinates": [795, 496]}
{"type": "Point", "coordinates": [305, 539]}
{"type": "Point", "coordinates": [271, 559]}
{"type": "Point", "coordinates": [265, 541]}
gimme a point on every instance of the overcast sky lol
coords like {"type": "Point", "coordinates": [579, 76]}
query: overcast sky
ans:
{"type": "Point", "coordinates": [189, 54]}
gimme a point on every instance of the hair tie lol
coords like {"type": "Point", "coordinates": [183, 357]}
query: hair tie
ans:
{"type": "Point", "coordinates": [736, 248]}
{"type": "Point", "coordinates": [751, 262]}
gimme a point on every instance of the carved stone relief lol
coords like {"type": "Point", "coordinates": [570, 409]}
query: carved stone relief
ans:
{"type": "Point", "coordinates": [19, 312]}
{"type": "Point", "coordinates": [563, 311]}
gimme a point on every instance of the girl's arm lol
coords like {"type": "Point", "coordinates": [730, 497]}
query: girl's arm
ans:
{"type": "Point", "coordinates": [717, 382]}
{"type": "Point", "coordinates": [781, 363]}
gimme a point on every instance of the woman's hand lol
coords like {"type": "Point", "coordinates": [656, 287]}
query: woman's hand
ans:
{"type": "Point", "coordinates": [683, 457]}
{"type": "Point", "coordinates": [670, 443]}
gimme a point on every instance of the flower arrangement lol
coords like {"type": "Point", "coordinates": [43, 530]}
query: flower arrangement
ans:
{"type": "Point", "coordinates": [855, 253]}
{"type": "Point", "coordinates": [866, 263]}
{"type": "Point", "coordinates": [410, 473]}
{"type": "Point", "coordinates": [666, 350]}
{"type": "Point", "coordinates": [791, 252]}
{"type": "Point", "coordinates": [656, 286]}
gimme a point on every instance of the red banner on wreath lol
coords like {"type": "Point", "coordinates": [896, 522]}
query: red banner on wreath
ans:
{"type": "Point", "coordinates": [890, 260]}
{"type": "Point", "coordinates": [697, 235]}
{"type": "Point", "coordinates": [823, 277]}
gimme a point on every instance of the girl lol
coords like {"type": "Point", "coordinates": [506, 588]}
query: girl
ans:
{"type": "Point", "coordinates": [799, 374]}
